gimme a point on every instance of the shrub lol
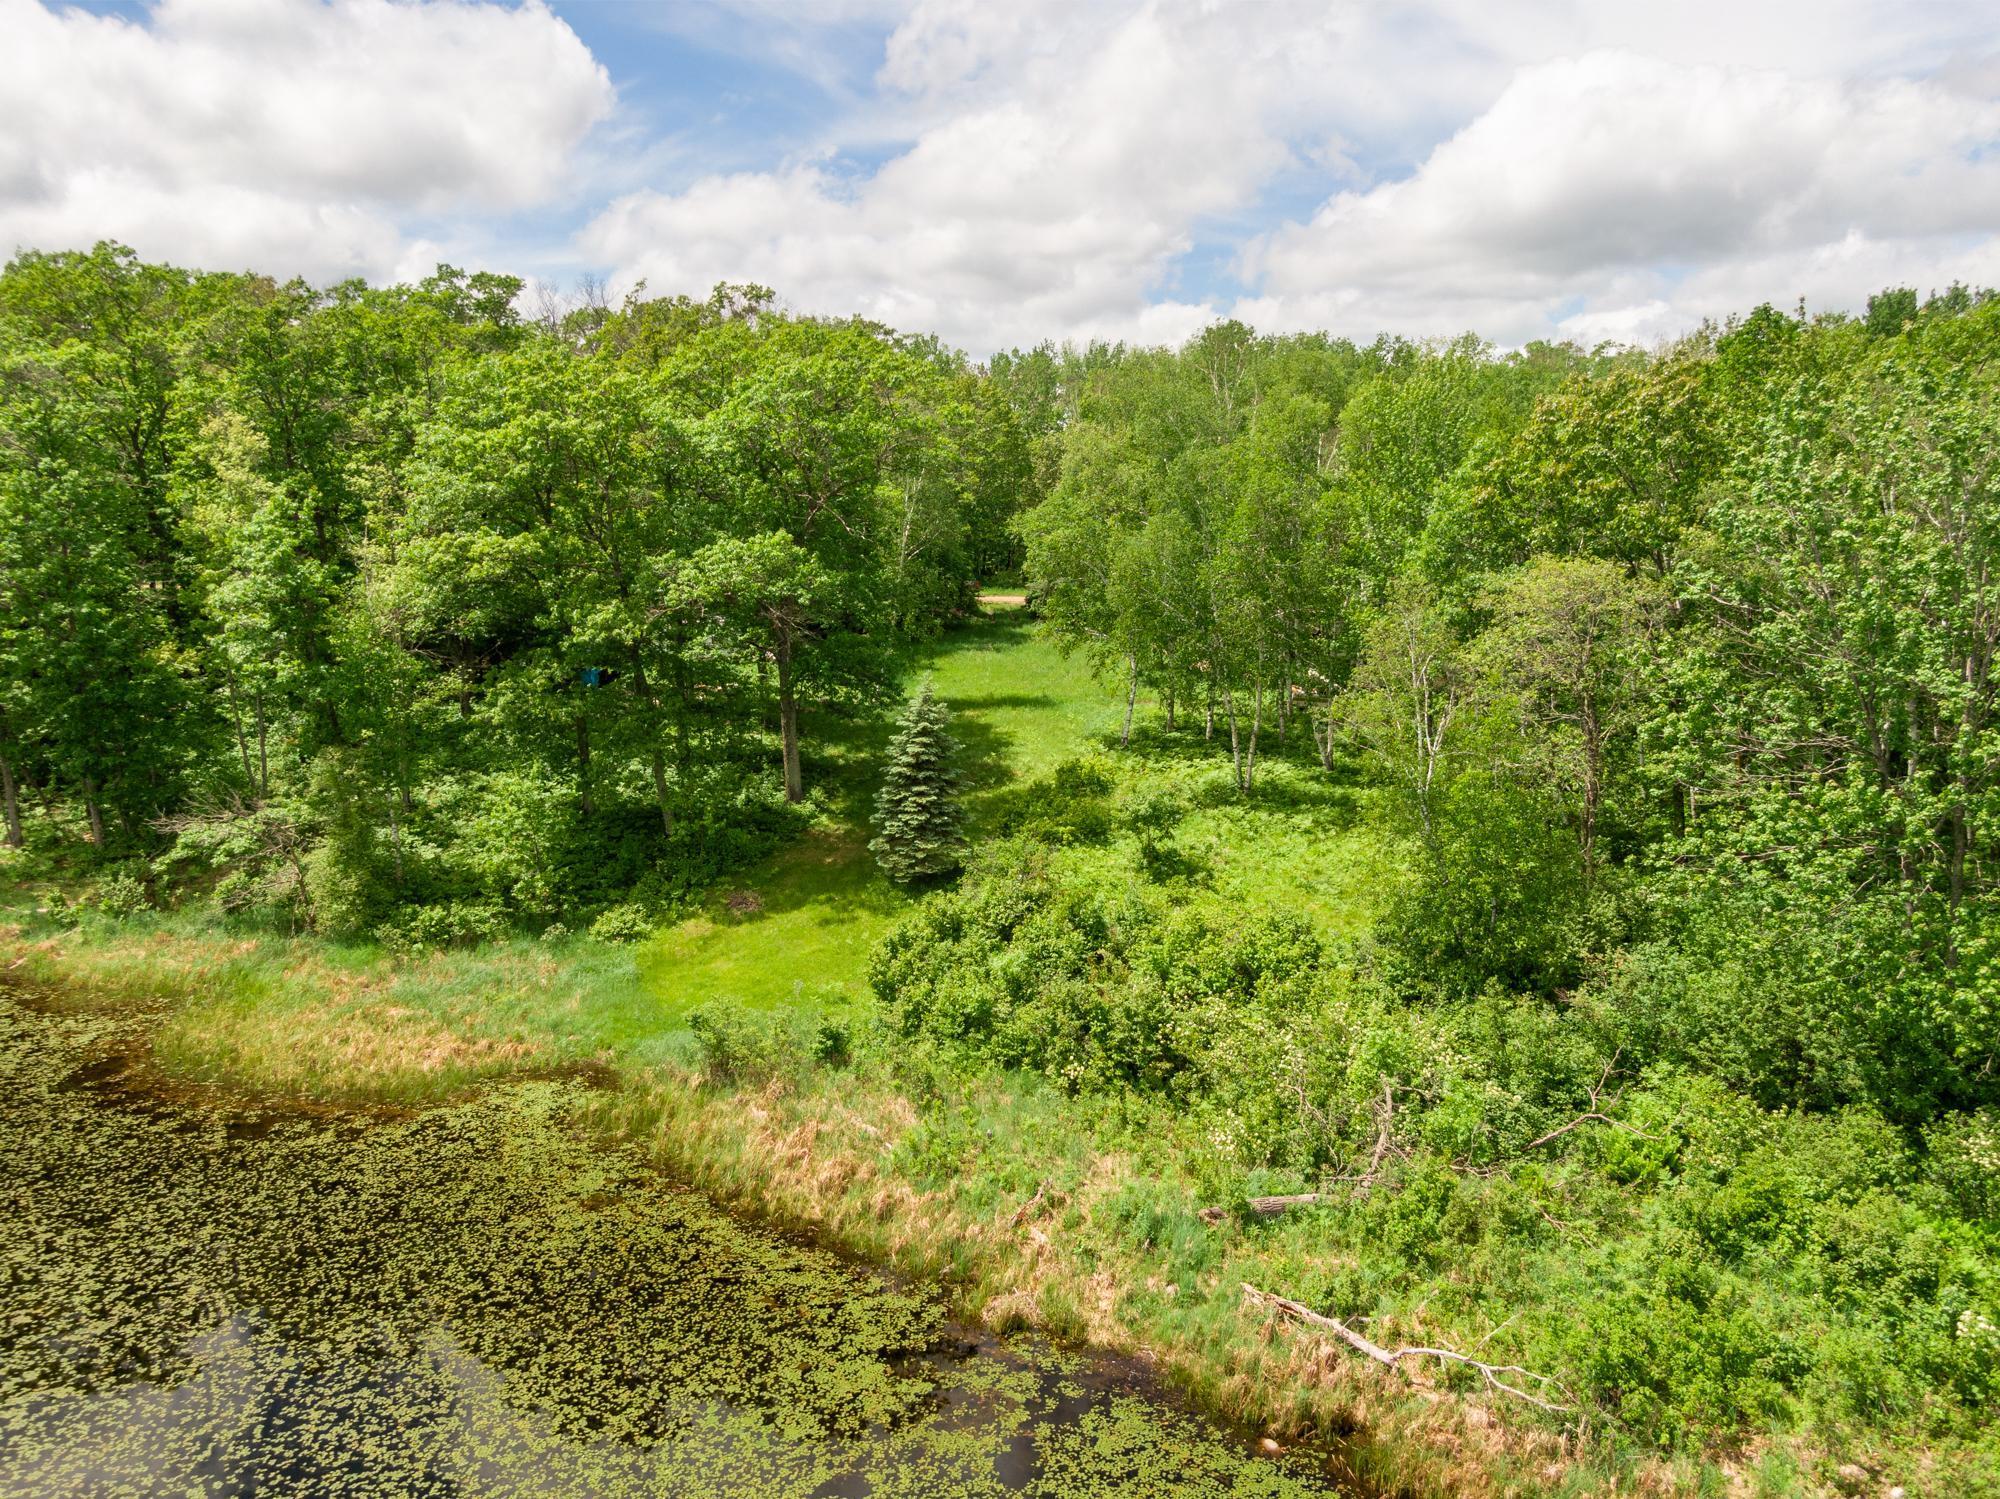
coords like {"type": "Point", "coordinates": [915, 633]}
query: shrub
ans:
{"type": "Point", "coordinates": [120, 894]}
{"type": "Point", "coordinates": [623, 923]}
{"type": "Point", "coordinates": [442, 924]}
{"type": "Point", "coordinates": [738, 1046]}
{"type": "Point", "coordinates": [1070, 805]}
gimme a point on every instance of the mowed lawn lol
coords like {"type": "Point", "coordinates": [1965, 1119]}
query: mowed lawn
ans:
{"type": "Point", "coordinates": [800, 926]}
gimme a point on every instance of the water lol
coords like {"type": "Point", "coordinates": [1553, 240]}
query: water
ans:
{"type": "Point", "coordinates": [219, 1302]}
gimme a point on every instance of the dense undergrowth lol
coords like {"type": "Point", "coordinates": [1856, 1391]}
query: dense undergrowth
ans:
{"type": "Point", "coordinates": [1082, 1045]}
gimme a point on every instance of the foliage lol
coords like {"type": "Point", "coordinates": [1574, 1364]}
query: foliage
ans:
{"type": "Point", "coordinates": [374, 600]}
{"type": "Point", "coordinates": [918, 820]}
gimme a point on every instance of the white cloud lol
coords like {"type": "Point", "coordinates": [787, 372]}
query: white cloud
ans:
{"type": "Point", "coordinates": [1527, 170]}
{"type": "Point", "coordinates": [293, 135]}
{"type": "Point", "coordinates": [1650, 192]}
{"type": "Point", "coordinates": [1595, 169]}
{"type": "Point", "coordinates": [1051, 206]}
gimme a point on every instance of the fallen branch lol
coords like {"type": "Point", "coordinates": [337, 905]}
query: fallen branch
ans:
{"type": "Point", "coordinates": [1391, 1358]}
{"type": "Point", "coordinates": [1594, 1112]}
{"type": "Point", "coordinates": [1385, 1139]}
{"type": "Point", "coordinates": [1026, 1210]}
{"type": "Point", "coordinates": [1265, 1207]}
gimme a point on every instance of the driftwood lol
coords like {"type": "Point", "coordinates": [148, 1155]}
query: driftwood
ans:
{"type": "Point", "coordinates": [1392, 1358]}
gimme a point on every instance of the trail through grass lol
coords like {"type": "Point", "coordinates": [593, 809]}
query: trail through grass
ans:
{"type": "Point", "coordinates": [799, 927]}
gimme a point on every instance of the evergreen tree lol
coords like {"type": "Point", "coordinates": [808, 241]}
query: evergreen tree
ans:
{"type": "Point", "coordinates": [918, 821]}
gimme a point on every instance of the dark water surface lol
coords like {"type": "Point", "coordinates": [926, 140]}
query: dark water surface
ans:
{"type": "Point", "coordinates": [199, 1301]}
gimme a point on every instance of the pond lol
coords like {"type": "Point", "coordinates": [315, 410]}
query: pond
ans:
{"type": "Point", "coordinates": [203, 1300]}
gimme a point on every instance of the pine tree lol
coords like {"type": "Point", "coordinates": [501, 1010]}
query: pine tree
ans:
{"type": "Point", "coordinates": [918, 821]}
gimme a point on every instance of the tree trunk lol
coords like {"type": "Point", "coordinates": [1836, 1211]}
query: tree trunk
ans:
{"type": "Point", "coordinates": [788, 721]}
{"type": "Point", "coordinates": [13, 801]}
{"type": "Point", "coordinates": [1235, 741]}
{"type": "Point", "coordinates": [95, 812]}
{"type": "Point", "coordinates": [396, 841]}
{"type": "Point", "coordinates": [242, 742]}
{"type": "Point", "coordinates": [1131, 700]}
{"type": "Point", "coordinates": [263, 752]}
{"type": "Point", "coordinates": [659, 757]}
{"type": "Point", "coordinates": [1208, 717]}
{"type": "Point", "coordinates": [1250, 759]}
{"type": "Point", "coordinates": [1171, 725]}
{"type": "Point", "coordinates": [583, 765]}
{"type": "Point", "coordinates": [660, 790]}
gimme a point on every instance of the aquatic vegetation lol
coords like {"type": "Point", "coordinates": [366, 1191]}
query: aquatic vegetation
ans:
{"type": "Point", "coordinates": [231, 1299]}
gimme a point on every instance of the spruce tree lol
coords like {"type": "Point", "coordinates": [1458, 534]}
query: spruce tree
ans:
{"type": "Point", "coordinates": [918, 821]}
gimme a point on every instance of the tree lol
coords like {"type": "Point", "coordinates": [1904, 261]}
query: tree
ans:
{"type": "Point", "coordinates": [918, 820]}
{"type": "Point", "coordinates": [1564, 652]}
{"type": "Point", "coordinates": [1410, 692]}
{"type": "Point", "coordinates": [801, 449]}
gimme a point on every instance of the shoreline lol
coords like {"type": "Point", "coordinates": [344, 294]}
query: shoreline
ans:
{"type": "Point", "coordinates": [124, 1074]}
{"type": "Point", "coordinates": [799, 1164]}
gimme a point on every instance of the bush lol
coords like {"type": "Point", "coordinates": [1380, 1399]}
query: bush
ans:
{"type": "Point", "coordinates": [629, 922]}
{"type": "Point", "coordinates": [444, 924]}
{"type": "Point", "coordinates": [1773, 1003]}
{"type": "Point", "coordinates": [745, 1046]}
{"type": "Point", "coordinates": [1498, 898]}
{"type": "Point", "coordinates": [1964, 1162]}
{"type": "Point", "coordinates": [1090, 983]}
{"type": "Point", "coordinates": [1070, 805]}
{"type": "Point", "coordinates": [120, 894]}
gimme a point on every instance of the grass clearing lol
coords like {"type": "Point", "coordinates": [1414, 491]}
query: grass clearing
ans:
{"type": "Point", "coordinates": [797, 930]}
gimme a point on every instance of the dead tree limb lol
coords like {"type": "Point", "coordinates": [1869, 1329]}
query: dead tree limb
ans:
{"type": "Point", "coordinates": [1265, 1207]}
{"type": "Point", "coordinates": [1360, 1182]}
{"type": "Point", "coordinates": [1594, 1112]}
{"type": "Point", "coordinates": [1391, 1358]}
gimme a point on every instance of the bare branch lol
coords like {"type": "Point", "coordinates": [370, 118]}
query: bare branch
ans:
{"type": "Point", "coordinates": [1391, 1358]}
{"type": "Point", "coordinates": [1594, 1112]}
{"type": "Point", "coordinates": [1360, 1182]}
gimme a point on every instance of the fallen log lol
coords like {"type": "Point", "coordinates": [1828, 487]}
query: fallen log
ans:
{"type": "Point", "coordinates": [1392, 1358]}
{"type": "Point", "coordinates": [1265, 1207]}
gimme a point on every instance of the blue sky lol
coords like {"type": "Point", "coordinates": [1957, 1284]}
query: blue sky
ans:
{"type": "Point", "coordinates": [1045, 168]}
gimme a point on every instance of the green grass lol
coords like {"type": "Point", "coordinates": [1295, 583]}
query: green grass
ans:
{"type": "Point", "coordinates": [798, 928]}
{"type": "Point", "coordinates": [792, 933]}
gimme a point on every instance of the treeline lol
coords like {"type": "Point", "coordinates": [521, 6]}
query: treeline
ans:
{"type": "Point", "coordinates": [1678, 667]}
{"type": "Point", "coordinates": [392, 609]}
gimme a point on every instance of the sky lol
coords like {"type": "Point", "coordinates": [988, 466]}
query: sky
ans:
{"type": "Point", "coordinates": [1002, 172]}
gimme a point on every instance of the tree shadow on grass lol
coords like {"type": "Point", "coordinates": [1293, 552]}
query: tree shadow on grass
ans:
{"type": "Point", "coordinates": [827, 868]}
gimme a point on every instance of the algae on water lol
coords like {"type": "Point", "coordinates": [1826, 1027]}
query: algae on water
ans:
{"type": "Point", "coordinates": [474, 1301]}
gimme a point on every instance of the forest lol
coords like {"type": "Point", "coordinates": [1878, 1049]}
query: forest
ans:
{"type": "Point", "coordinates": [1646, 1036]}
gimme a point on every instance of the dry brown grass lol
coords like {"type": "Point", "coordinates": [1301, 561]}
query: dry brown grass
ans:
{"type": "Point", "coordinates": [815, 1157]}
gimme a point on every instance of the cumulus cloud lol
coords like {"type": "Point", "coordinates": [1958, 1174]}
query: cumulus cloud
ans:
{"type": "Point", "coordinates": [1052, 206]}
{"type": "Point", "coordinates": [1589, 171]}
{"type": "Point", "coordinates": [1650, 191]}
{"type": "Point", "coordinates": [1597, 170]}
{"type": "Point", "coordinates": [293, 135]}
